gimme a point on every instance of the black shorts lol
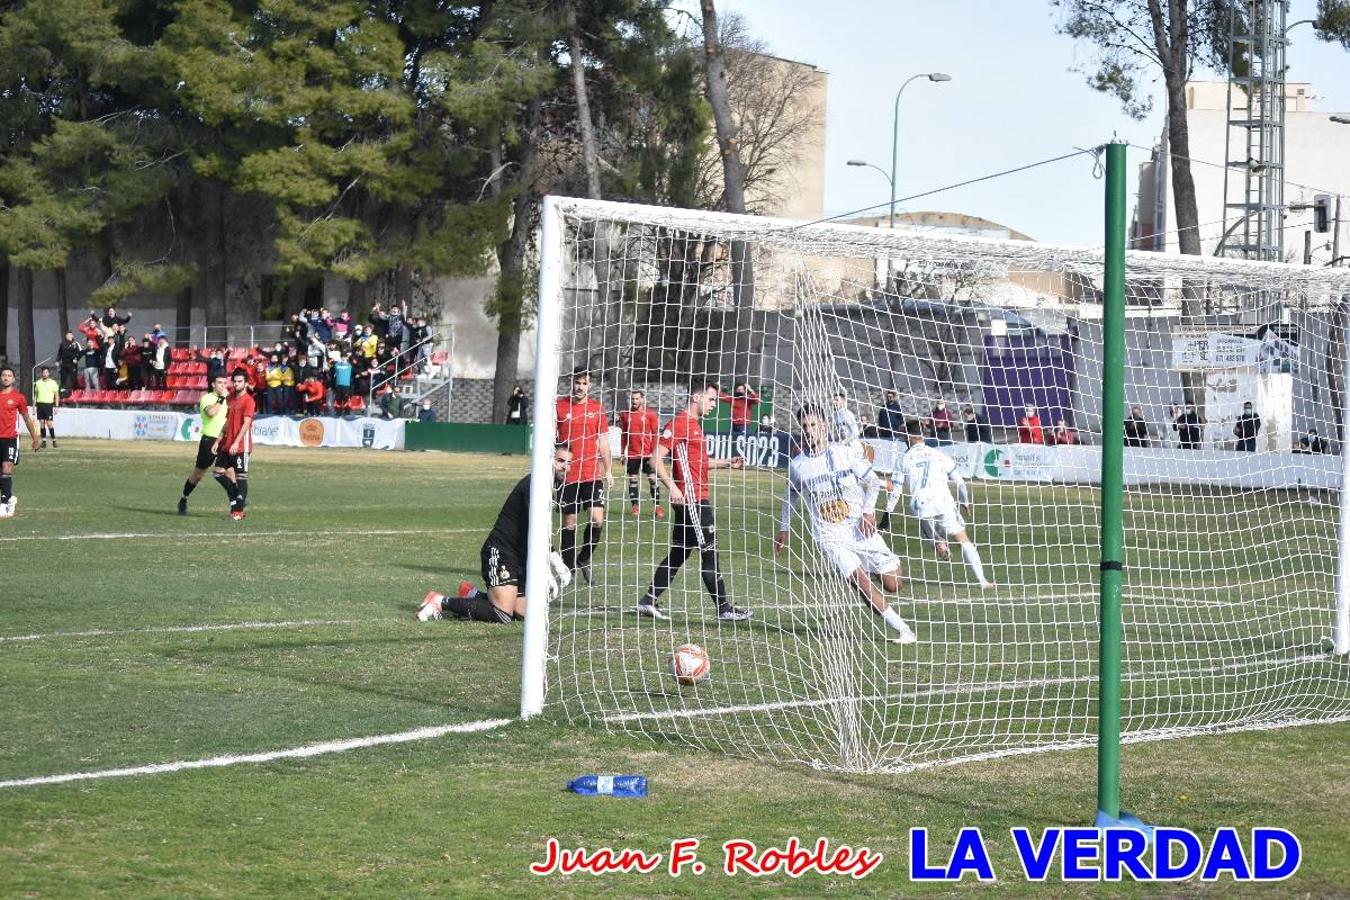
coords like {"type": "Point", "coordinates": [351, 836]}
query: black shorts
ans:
{"type": "Point", "coordinates": [205, 458]}
{"type": "Point", "coordinates": [502, 567]}
{"type": "Point", "coordinates": [580, 495]}
{"type": "Point", "coordinates": [236, 461]}
{"type": "Point", "coordinates": [9, 451]}
{"type": "Point", "coordinates": [693, 526]}
{"type": "Point", "coordinates": [44, 411]}
{"type": "Point", "coordinates": [642, 464]}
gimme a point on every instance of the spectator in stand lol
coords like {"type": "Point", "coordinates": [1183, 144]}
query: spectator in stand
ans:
{"type": "Point", "coordinates": [92, 362]}
{"type": "Point", "coordinates": [1061, 435]}
{"type": "Point", "coordinates": [298, 331]}
{"type": "Point", "coordinates": [321, 324]}
{"type": "Point", "coordinates": [132, 359]}
{"type": "Point", "coordinates": [1312, 442]}
{"type": "Point", "coordinates": [111, 319]}
{"type": "Point", "coordinates": [342, 327]}
{"type": "Point", "coordinates": [312, 391]}
{"type": "Point", "coordinates": [890, 418]}
{"type": "Point", "coordinates": [867, 431]}
{"type": "Point", "coordinates": [288, 385]}
{"type": "Point", "coordinates": [276, 386]}
{"type": "Point", "coordinates": [977, 426]}
{"type": "Point", "coordinates": [395, 333]}
{"type": "Point", "coordinates": [156, 333]}
{"type": "Point", "coordinates": [112, 357]}
{"type": "Point", "coordinates": [257, 383]}
{"type": "Point", "coordinates": [940, 421]}
{"type": "Point", "coordinates": [379, 321]}
{"type": "Point", "coordinates": [368, 343]}
{"type": "Point", "coordinates": [159, 363]}
{"type": "Point", "coordinates": [742, 401]}
{"type": "Point", "coordinates": [1188, 425]}
{"type": "Point", "coordinates": [418, 343]}
{"type": "Point", "coordinates": [342, 381]}
{"type": "Point", "coordinates": [516, 407]}
{"type": "Point", "coordinates": [69, 355]}
{"type": "Point", "coordinates": [361, 374]}
{"type": "Point", "coordinates": [426, 413]}
{"type": "Point", "coordinates": [1029, 430]}
{"type": "Point", "coordinates": [215, 365]}
{"type": "Point", "coordinates": [1247, 427]}
{"type": "Point", "coordinates": [1136, 428]}
{"type": "Point", "coordinates": [316, 354]}
{"type": "Point", "coordinates": [92, 328]}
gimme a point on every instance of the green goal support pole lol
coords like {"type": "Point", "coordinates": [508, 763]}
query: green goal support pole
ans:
{"type": "Point", "coordinates": [1113, 492]}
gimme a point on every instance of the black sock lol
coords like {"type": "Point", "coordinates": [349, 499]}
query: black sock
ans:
{"type": "Point", "coordinates": [665, 572]}
{"type": "Point", "coordinates": [6, 487]}
{"type": "Point", "coordinates": [569, 546]}
{"type": "Point", "coordinates": [188, 488]}
{"type": "Point", "coordinates": [51, 430]}
{"type": "Point", "coordinates": [476, 607]}
{"type": "Point", "coordinates": [712, 576]}
{"type": "Point", "coordinates": [230, 490]}
{"type": "Point", "coordinates": [593, 532]}
{"type": "Point", "coordinates": [241, 482]}
{"type": "Point", "coordinates": [43, 430]}
{"type": "Point", "coordinates": [633, 493]}
{"type": "Point", "coordinates": [656, 494]}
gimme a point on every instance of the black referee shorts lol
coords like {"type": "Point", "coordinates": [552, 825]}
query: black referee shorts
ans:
{"type": "Point", "coordinates": [205, 456]}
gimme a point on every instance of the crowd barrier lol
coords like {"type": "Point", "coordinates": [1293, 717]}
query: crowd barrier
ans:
{"type": "Point", "coordinates": [281, 431]}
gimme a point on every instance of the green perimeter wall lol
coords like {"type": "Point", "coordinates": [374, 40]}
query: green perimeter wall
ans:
{"type": "Point", "coordinates": [464, 437]}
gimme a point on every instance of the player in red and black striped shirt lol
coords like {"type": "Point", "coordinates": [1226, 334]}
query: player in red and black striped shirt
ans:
{"type": "Point", "coordinates": [693, 529]}
{"type": "Point", "coordinates": [638, 427]}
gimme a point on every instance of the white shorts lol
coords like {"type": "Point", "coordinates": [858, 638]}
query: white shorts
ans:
{"type": "Point", "coordinates": [944, 522]}
{"type": "Point", "coordinates": [871, 554]}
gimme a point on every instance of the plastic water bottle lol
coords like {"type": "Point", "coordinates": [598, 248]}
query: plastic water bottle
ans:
{"type": "Point", "coordinates": [615, 785]}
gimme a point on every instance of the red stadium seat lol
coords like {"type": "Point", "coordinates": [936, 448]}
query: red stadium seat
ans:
{"type": "Point", "coordinates": [184, 398]}
{"type": "Point", "coordinates": [356, 404]}
{"type": "Point", "coordinates": [439, 358]}
{"type": "Point", "coordinates": [75, 397]}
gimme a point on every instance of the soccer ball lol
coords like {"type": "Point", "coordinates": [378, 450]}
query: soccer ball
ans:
{"type": "Point", "coordinates": [690, 664]}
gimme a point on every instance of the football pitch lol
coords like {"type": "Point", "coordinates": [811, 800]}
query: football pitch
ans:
{"type": "Point", "coordinates": [132, 638]}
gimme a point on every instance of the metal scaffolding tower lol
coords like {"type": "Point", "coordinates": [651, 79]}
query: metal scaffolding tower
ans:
{"type": "Point", "coordinates": [1253, 186]}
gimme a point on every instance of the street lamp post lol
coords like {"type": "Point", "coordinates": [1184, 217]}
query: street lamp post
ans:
{"type": "Point", "coordinates": [895, 133]}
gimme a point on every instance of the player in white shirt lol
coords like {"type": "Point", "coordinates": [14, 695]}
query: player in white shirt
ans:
{"type": "Point", "coordinates": [840, 490]}
{"type": "Point", "coordinates": [926, 471]}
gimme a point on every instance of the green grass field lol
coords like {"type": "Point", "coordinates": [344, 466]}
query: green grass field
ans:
{"type": "Point", "coordinates": [130, 636]}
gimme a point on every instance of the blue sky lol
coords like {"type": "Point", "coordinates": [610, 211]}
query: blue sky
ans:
{"type": "Point", "coordinates": [1012, 100]}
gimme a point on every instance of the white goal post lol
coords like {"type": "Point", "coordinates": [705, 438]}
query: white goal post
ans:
{"type": "Point", "coordinates": [1236, 597]}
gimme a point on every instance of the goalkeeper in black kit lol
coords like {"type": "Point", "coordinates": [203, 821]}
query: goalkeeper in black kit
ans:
{"type": "Point", "coordinates": [503, 562]}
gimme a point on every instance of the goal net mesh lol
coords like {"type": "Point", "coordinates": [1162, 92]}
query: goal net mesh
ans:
{"type": "Point", "coordinates": [995, 345]}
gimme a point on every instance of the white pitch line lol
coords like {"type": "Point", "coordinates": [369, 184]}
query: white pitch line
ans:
{"type": "Point", "coordinates": [178, 535]}
{"type": "Point", "coordinates": [216, 762]}
{"type": "Point", "coordinates": [179, 629]}
{"type": "Point", "coordinates": [957, 689]}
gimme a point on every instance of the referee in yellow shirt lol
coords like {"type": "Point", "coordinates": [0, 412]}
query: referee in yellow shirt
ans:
{"type": "Point", "coordinates": [46, 397]}
{"type": "Point", "coordinates": [213, 408]}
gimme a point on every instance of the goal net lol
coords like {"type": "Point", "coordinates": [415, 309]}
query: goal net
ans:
{"type": "Point", "coordinates": [1231, 512]}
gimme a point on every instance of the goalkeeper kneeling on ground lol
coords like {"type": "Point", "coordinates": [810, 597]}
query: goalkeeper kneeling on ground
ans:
{"type": "Point", "coordinates": [503, 560]}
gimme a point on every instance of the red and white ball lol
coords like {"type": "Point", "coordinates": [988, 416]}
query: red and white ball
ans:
{"type": "Point", "coordinates": [690, 664]}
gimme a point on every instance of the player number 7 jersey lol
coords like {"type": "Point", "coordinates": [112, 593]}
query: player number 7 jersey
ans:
{"type": "Point", "coordinates": [926, 472]}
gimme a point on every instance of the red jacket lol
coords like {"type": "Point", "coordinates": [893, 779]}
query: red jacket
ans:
{"type": "Point", "coordinates": [742, 408]}
{"type": "Point", "coordinates": [1029, 430]}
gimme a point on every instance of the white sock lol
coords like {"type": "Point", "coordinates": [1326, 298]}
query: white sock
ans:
{"type": "Point", "coordinates": [892, 618]}
{"type": "Point", "coordinates": [972, 557]}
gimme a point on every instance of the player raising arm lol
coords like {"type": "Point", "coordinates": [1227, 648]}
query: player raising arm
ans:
{"type": "Point", "coordinates": [693, 527]}
{"type": "Point", "coordinates": [503, 562]}
{"type": "Point", "coordinates": [840, 488]}
{"type": "Point", "coordinates": [926, 471]}
{"type": "Point", "coordinates": [13, 406]}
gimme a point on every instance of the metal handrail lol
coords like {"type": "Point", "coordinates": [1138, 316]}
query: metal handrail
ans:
{"type": "Point", "coordinates": [375, 383]}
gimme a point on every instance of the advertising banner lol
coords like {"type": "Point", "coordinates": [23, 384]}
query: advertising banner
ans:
{"type": "Point", "coordinates": [130, 425]}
